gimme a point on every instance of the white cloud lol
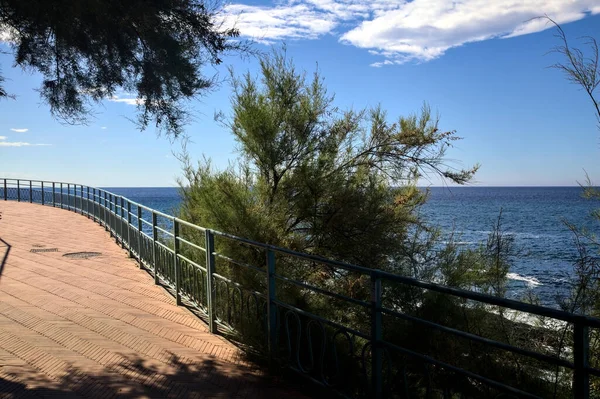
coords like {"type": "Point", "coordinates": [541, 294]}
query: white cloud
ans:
{"type": "Point", "coordinates": [4, 143]}
{"type": "Point", "coordinates": [292, 21]}
{"type": "Point", "coordinates": [301, 19]}
{"type": "Point", "coordinates": [20, 144]}
{"type": "Point", "coordinates": [19, 130]}
{"type": "Point", "coordinates": [425, 29]}
{"type": "Point", "coordinates": [382, 63]}
{"type": "Point", "coordinates": [399, 30]}
{"type": "Point", "coordinates": [6, 34]}
{"type": "Point", "coordinates": [125, 100]}
{"type": "Point", "coordinates": [103, 127]}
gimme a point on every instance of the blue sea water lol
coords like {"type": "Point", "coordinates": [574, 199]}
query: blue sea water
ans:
{"type": "Point", "coordinates": [534, 216]}
{"type": "Point", "coordinates": [163, 199]}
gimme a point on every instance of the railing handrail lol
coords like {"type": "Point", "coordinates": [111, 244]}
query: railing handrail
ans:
{"type": "Point", "coordinates": [117, 205]}
{"type": "Point", "coordinates": [472, 295]}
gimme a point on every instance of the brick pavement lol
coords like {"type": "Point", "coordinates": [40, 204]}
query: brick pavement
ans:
{"type": "Point", "coordinates": [99, 327]}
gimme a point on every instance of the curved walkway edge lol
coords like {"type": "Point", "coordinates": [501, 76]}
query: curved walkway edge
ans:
{"type": "Point", "coordinates": [98, 327]}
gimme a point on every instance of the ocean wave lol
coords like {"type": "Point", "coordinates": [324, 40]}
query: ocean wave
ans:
{"type": "Point", "coordinates": [531, 281]}
{"type": "Point", "coordinates": [528, 318]}
{"type": "Point", "coordinates": [518, 234]}
{"type": "Point", "coordinates": [459, 242]}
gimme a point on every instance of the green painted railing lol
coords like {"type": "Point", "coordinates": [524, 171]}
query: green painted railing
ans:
{"type": "Point", "coordinates": [362, 353]}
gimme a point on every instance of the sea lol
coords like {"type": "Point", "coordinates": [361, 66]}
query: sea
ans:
{"type": "Point", "coordinates": [535, 217]}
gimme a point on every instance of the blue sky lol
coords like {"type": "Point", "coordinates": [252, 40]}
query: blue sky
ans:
{"type": "Point", "coordinates": [482, 66]}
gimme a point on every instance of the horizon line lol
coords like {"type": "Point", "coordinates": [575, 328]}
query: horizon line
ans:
{"type": "Point", "coordinates": [432, 186]}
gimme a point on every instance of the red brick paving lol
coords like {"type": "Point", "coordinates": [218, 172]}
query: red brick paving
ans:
{"type": "Point", "coordinates": [99, 327]}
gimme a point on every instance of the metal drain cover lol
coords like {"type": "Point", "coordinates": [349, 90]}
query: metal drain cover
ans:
{"type": "Point", "coordinates": [82, 255]}
{"type": "Point", "coordinates": [35, 250]}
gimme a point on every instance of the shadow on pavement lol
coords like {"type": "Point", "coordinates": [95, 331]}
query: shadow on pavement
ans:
{"type": "Point", "coordinates": [135, 379]}
{"type": "Point", "coordinates": [4, 251]}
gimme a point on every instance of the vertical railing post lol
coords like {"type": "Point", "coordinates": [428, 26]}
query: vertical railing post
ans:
{"type": "Point", "coordinates": [81, 199]}
{"type": "Point", "coordinates": [122, 222]}
{"type": "Point", "coordinates": [43, 193]}
{"type": "Point", "coordinates": [140, 227]}
{"type": "Point", "coordinates": [109, 213]}
{"type": "Point", "coordinates": [104, 211]}
{"type": "Point", "coordinates": [18, 191]}
{"type": "Point", "coordinates": [112, 216]}
{"type": "Point", "coordinates": [376, 335]}
{"type": "Point", "coordinates": [68, 196]}
{"type": "Point", "coordinates": [129, 228]}
{"type": "Point", "coordinates": [117, 218]}
{"type": "Point", "coordinates": [106, 214]}
{"type": "Point", "coordinates": [177, 263]}
{"type": "Point", "coordinates": [30, 191]}
{"type": "Point", "coordinates": [53, 194]}
{"type": "Point", "coordinates": [94, 198]}
{"type": "Point", "coordinates": [94, 203]}
{"type": "Point", "coordinates": [271, 307]}
{"type": "Point", "coordinates": [154, 245]}
{"type": "Point", "coordinates": [87, 202]}
{"type": "Point", "coordinates": [115, 214]}
{"type": "Point", "coordinates": [210, 292]}
{"type": "Point", "coordinates": [581, 354]}
{"type": "Point", "coordinates": [61, 196]}
{"type": "Point", "coordinates": [5, 191]}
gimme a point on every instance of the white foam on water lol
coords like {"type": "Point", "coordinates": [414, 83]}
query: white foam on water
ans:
{"type": "Point", "coordinates": [531, 281]}
{"type": "Point", "coordinates": [459, 242]}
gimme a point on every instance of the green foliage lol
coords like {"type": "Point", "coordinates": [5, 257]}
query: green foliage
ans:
{"type": "Point", "coordinates": [583, 69]}
{"type": "Point", "coordinates": [88, 49]}
{"type": "Point", "coordinates": [316, 180]}
{"type": "Point", "coordinates": [342, 185]}
{"type": "Point", "coordinates": [484, 269]}
{"type": "Point", "coordinates": [3, 92]}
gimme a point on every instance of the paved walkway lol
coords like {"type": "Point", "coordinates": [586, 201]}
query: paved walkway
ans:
{"type": "Point", "coordinates": [99, 327]}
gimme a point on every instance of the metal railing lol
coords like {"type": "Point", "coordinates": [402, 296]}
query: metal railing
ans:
{"type": "Point", "coordinates": [382, 341]}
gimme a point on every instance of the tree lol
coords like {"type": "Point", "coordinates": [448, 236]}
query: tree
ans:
{"type": "Point", "coordinates": [580, 68]}
{"type": "Point", "coordinates": [583, 69]}
{"type": "Point", "coordinates": [338, 184]}
{"type": "Point", "coordinates": [86, 50]}
{"type": "Point", "coordinates": [343, 185]}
